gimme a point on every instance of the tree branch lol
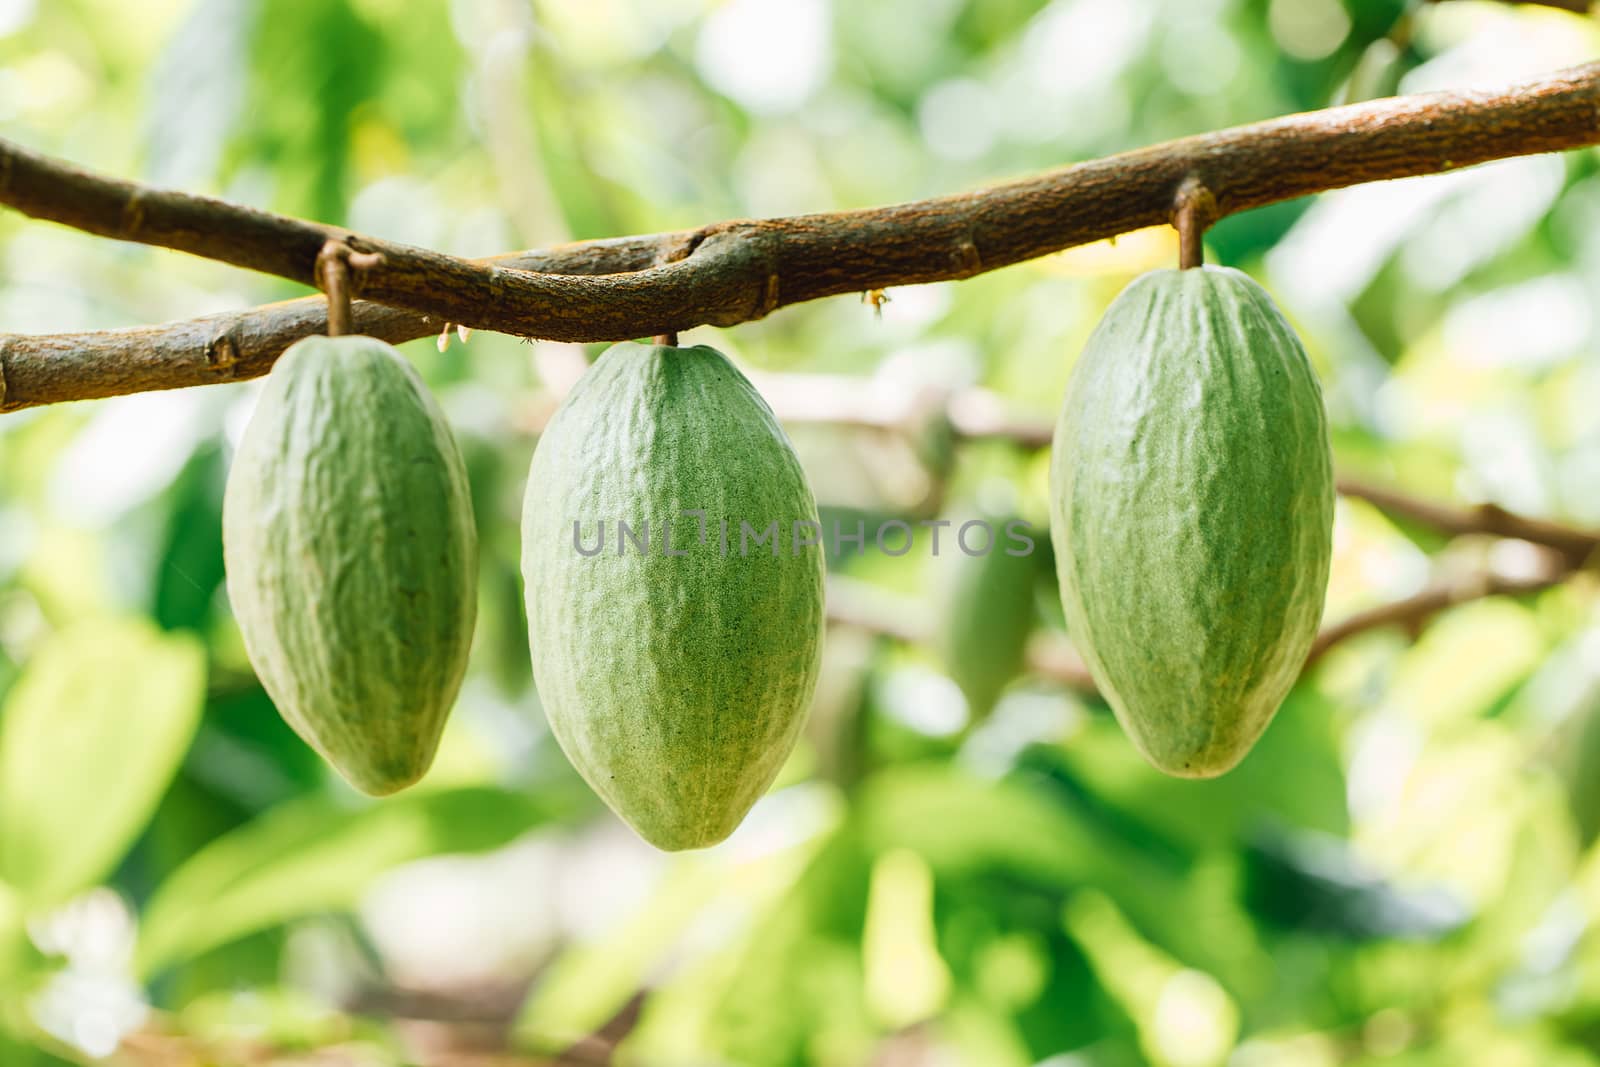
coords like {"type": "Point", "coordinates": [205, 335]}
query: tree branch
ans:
{"type": "Point", "coordinates": [1575, 546]}
{"type": "Point", "coordinates": [978, 413]}
{"type": "Point", "coordinates": [1579, 6]}
{"type": "Point", "coordinates": [232, 346]}
{"type": "Point", "coordinates": [740, 270]}
{"type": "Point", "coordinates": [1417, 609]}
{"type": "Point", "coordinates": [1051, 655]}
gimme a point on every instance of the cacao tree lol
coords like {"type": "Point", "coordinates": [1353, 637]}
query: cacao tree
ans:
{"type": "Point", "coordinates": [589, 558]}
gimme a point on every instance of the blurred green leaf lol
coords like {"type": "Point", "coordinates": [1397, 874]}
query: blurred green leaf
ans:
{"type": "Point", "coordinates": [317, 854]}
{"type": "Point", "coordinates": [806, 956]}
{"type": "Point", "coordinates": [1219, 813]}
{"type": "Point", "coordinates": [190, 568]}
{"type": "Point", "coordinates": [90, 736]}
{"type": "Point", "coordinates": [581, 195]}
{"type": "Point", "coordinates": [907, 980]}
{"type": "Point", "coordinates": [287, 1017]}
{"type": "Point", "coordinates": [590, 983]}
{"type": "Point", "coordinates": [962, 824]}
{"type": "Point", "coordinates": [1315, 883]}
{"type": "Point", "coordinates": [1467, 661]}
{"type": "Point", "coordinates": [196, 87]}
{"type": "Point", "coordinates": [314, 64]}
{"type": "Point", "coordinates": [1185, 1019]}
{"type": "Point", "coordinates": [15, 1052]}
{"type": "Point", "coordinates": [985, 1036]}
{"type": "Point", "coordinates": [14, 946]}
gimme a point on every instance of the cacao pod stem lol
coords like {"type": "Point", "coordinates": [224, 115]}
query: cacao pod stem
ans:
{"type": "Point", "coordinates": [335, 262]}
{"type": "Point", "coordinates": [1194, 210]}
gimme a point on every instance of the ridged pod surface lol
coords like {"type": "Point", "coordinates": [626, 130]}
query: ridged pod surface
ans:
{"type": "Point", "coordinates": [676, 675]}
{"type": "Point", "coordinates": [1192, 513]}
{"type": "Point", "coordinates": [351, 556]}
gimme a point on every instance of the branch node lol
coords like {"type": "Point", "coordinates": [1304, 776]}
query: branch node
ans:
{"type": "Point", "coordinates": [222, 353]}
{"type": "Point", "coordinates": [364, 261]}
{"type": "Point", "coordinates": [1194, 210]}
{"type": "Point", "coordinates": [338, 273]}
{"type": "Point", "coordinates": [133, 213]}
{"type": "Point", "coordinates": [682, 249]}
{"type": "Point", "coordinates": [769, 294]}
{"type": "Point", "coordinates": [966, 258]}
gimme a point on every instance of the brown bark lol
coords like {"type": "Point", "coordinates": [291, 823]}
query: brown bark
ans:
{"type": "Point", "coordinates": [1575, 546]}
{"type": "Point", "coordinates": [736, 271]}
{"type": "Point", "coordinates": [1415, 610]}
{"type": "Point", "coordinates": [1579, 6]}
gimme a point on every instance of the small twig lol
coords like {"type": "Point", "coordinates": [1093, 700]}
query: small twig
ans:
{"type": "Point", "coordinates": [1051, 655]}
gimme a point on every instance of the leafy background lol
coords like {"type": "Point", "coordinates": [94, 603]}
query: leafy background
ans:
{"type": "Point", "coordinates": [1402, 873]}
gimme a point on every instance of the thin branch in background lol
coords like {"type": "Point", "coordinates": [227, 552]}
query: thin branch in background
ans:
{"type": "Point", "coordinates": [1576, 546]}
{"type": "Point", "coordinates": [864, 606]}
{"type": "Point", "coordinates": [153, 1048]}
{"type": "Point", "coordinates": [740, 270]}
{"type": "Point", "coordinates": [975, 413]}
{"type": "Point", "coordinates": [1417, 609]}
{"type": "Point", "coordinates": [1051, 655]}
{"type": "Point", "coordinates": [1580, 7]}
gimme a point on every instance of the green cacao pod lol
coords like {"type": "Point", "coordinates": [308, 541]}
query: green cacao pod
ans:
{"type": "Point", "coordinates": [675, 671]}
{"type": "Point", "coordinates": [1573, 750]}
{"type": "Point", "coordinates": [1191, 495]}
{"type": "Point", "coordinates": [351, 557]}
{"type": "Point", "coordinates": [988, 613]}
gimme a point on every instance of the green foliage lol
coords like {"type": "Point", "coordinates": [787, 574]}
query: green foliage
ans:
{"type": "Point", "coordinates": [313, 855]}
{"type": "Point", "coordinates": [89, 738]}
{"type": "Point", "coordinates": [304, 42]}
